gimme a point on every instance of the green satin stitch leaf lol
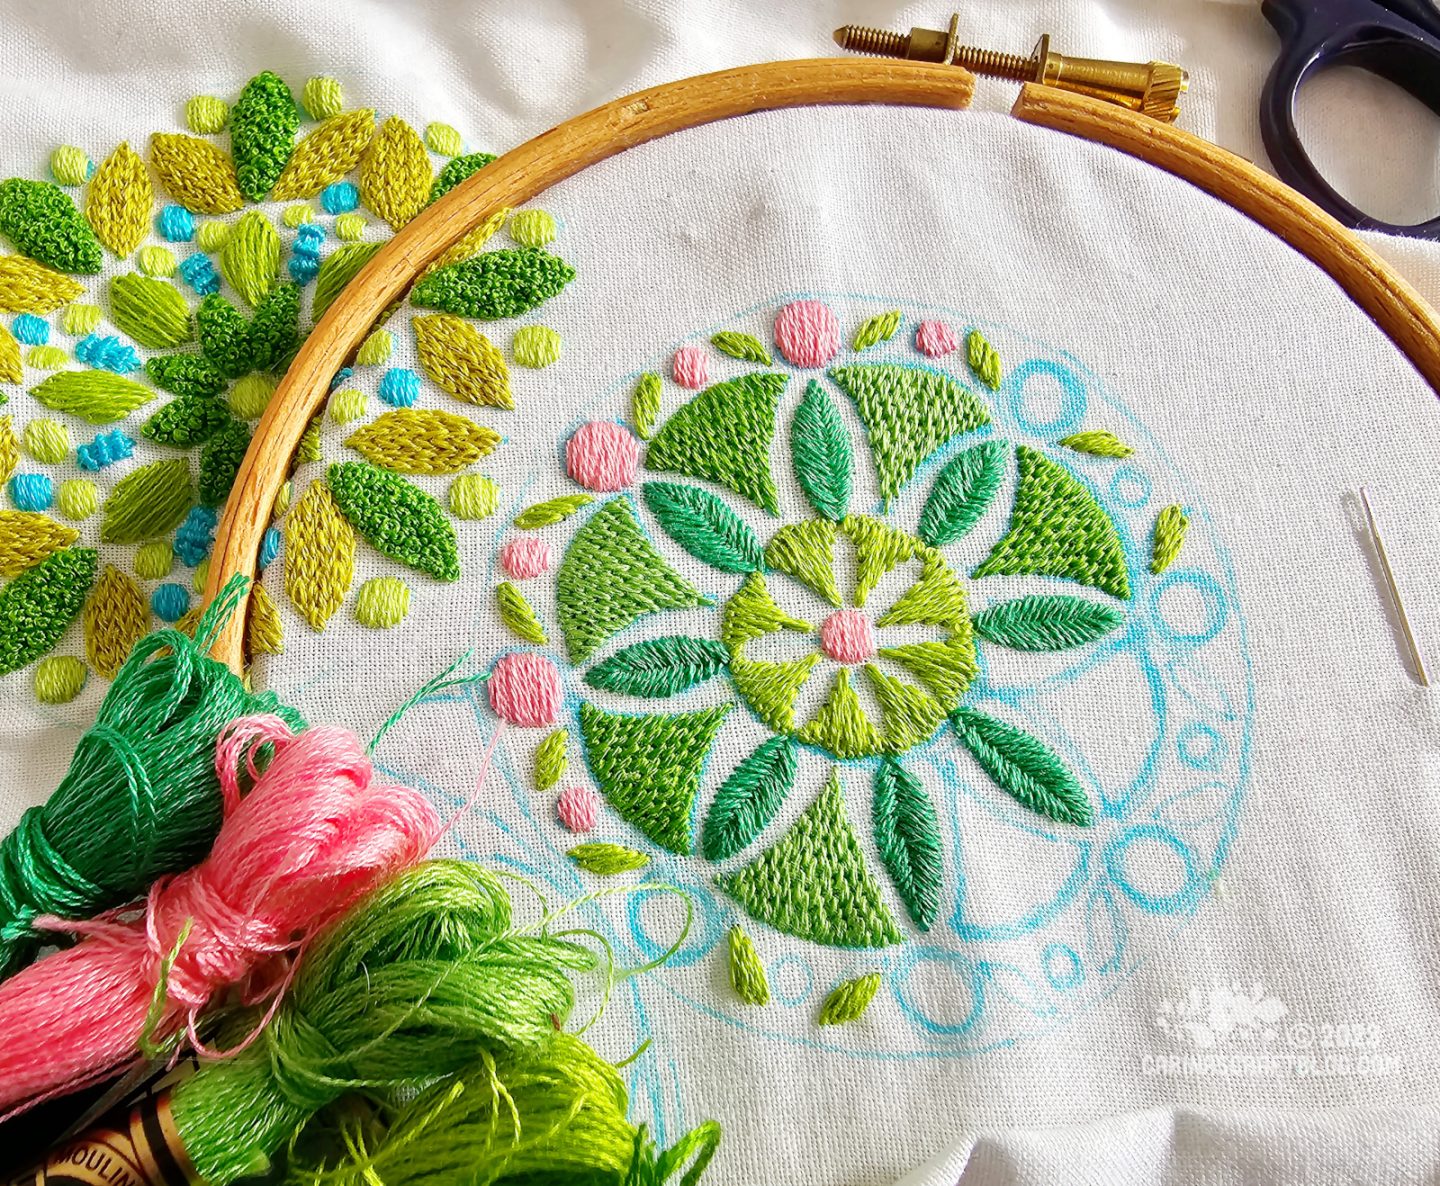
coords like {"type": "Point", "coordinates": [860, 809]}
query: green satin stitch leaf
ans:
{"type": "Point", "coordinates": [517, 615]}
{"type": "Point", "coordinates": [645, 404]}
{"type": "Point", "coordinates": [877, 329]}
{"type": "Point", "coordinates": [336, 271]}
{"type": "Point", "coordinates": [848, 1001]}
{"type": "Point", "coordinates": [1046, 622]}
{"type": "Point", "coordinates": [263, 123]}
{"type": "Point", "coordinates": [962, 492]}
{"type": "Point", "coordinates": [1171, 525]}
{"type": "Point", "coordinates": [250, 259]}
{"type": "Point", "coordinates": [704, 526]}
{"type": "Point", "coordinates": [96, 396]}
{"type": "Point", "coordinates": [38, 606]}
{"type": "Point", "coordinates": [42, 222]}
{"type": "Point", "coordinates": [552, 511]}
{"type": "Point", "coordinates": [749, 798]}
{"type": "Point", "coordinates": [659, 667]}
{"type": "Point", "coordinates": [820, 449]}
{"type": "Point", "coordinates": [605, 860]}
{"type": "Point", "coordinates": [983, 359]}
{"type": "Point", "coordinates": [907, 834]}
{"type": "Point", "coordinates": [742, 346]}
{"type": "Point", "coordinates": [148, 502]}
{"type": "Point", "coordinates": [151, 311]}
{"type": "Point", "coordinates": [1097, 443]}
{"type": "Point", "coordinates": [1024, 766]}
{"type": "Point", "coordinates": [398, 519]}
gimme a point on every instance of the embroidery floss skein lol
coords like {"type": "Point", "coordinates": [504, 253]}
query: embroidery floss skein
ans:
{"type": "Point", "coordinates": [314, 835]}
{"type": "Point", "coordinates": [141, 797]}
{"type": "Point", "coordinates": [557, 1113]}
{"type": "Point", "coordinates": [426, 977]}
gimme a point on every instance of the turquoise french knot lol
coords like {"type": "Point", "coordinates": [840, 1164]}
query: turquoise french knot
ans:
{"type": "Point", "coordinates": [305, 257]}
{"type": "Point", "coordinates": [194, 537]}
{"type": "Point", "coordinates": [269, 546]}
{"type": "Point", "coordinates": [106, 449]}
{"type": "Point", "coordinates": [32, 330]}
{"type": "Point", "coordinates": [175, 224]}
{"type": "Point", "coordinates": [106, 353]}
{"type": "Point", "coordinates": [199, 273]}
{"type": "Point", "coordinates": [31, 492]}
{"type": "Point", "coordinates": [400, 387]}
{"type": "Point", "coordinates": [340, 198]}
{"type": "Point", "coordinates": [170, 601]}
{"type": "Point", "coordinates": [340, 376]}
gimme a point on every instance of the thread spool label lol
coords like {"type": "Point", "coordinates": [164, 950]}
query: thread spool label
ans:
{"type": "Point", "coordinates": [146, 1151]}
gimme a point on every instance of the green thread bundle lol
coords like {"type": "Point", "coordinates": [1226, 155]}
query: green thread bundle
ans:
{"type": "Point", "coordinates": [141, 797]}
{"type": "Point", "coordinates": [553, 1114]}
{"type": "Point", "coordinates": [426, 978]}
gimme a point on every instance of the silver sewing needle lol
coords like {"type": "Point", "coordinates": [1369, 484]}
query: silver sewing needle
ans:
{"type": "Point", "coordinates": [1420, 673]}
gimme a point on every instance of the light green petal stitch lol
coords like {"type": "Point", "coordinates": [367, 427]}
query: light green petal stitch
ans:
{"type": "Point", "coordinates": [806, 551]}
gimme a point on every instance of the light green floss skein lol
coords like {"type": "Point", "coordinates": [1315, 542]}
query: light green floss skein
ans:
{"type": "Point", "coordinates": [140, 798]}
{"type": "Point", "coordinates": [423, 979]}
{"type": "Point", "coordinates": [556, 1114]}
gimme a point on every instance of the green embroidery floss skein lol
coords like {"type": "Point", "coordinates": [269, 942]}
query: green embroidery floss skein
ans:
{"type": "Point", "coordinates": [141, 797]}
{"type": "Point", "coordinates": [426, 977]}
{"type": "Point", "coordinates": [554, 1114]}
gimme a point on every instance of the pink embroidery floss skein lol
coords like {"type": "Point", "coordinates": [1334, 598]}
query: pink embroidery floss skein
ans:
{"type": "Point", "coordinates": [315, 834]}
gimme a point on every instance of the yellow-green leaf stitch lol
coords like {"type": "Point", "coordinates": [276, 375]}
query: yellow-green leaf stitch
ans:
{"type": "Point", "coordinates": [395, 173]}
{"type": "Point", "coordinates": [376, 348]}
{"type": "Point", "coordinates": [319, 555]}
{"type": "Point", "coordinates": [264, 634]}
{"type": "Point", "coordinates": [382, 602]}
{"type": "Point", "coordinates": [873, 330]}
{"type": "Point", "coordinates": [153, 312]}
{"type": "Point", "coordinates": [747, 973]}
{"type": "Point", "coordinates": [116, 618]}
{"type": "Point", "coordinates": [206, 114]}
{"type": "Point", "coordinates": [1097, 443]}
{"type": "Point", "coordinates": [336, 271]}
{"type": "Point", "coordinates": [533, 228]}
{"type": "Point", "coordinates": [470, 243]}
{"type": "Point", "coordinates": [462, 360]}
{"type": "Point", "coordinates": [250, 259]}
{"type": "Point", "coordinates": [9, 449]}
{"type": "Point", "coordinates": [421, 441]}
{"type": "Point", "coordinates": [745, 347]}
{"type": "Point", "coordinates": [322, 97]}
{"type": "Point", "coordinates": [517, 615]}
{"type": "Point", "coordinates": [848, 1001]}
{"type": "Point", "coordinates": [79, 320]}
{"type": "Point", "coordinates": [148, 502]}
{"type": "Point", "coordinates": [28, 287]}
{"type": "Point", "coordinates": [96, 396]}
{"type": "Point", "coordinates": [535, 346]}
{"type": "Point", "coordinates": [77, 498]}
{"type": "Point", "coordinates": [473, 496]}
{"type": "Point", "coordinates": [607, 859]}
{"type": "Point", "coordinates": [11, 368]}
{"type": "Point", "coordinates": [1170, 527]}
{"type": "Point", "coordinates": [27, 537]}
{"type": "Point", "coordinates": [325, 155]}
{"type": "Point", "coordinates": [983, 359]}
{"type": "Point", "coordinates": [645, 404]}
{"type": "Point", "coordinates": [119, 201]}
{"type": "Point", "coordinates": [59, 679]}
{"type": "Point", "coordinates": [551, 759]}
{"type": "Point", "coordinates": [444, 139]}
{"type": "Point", "coordinates": [195, 173]}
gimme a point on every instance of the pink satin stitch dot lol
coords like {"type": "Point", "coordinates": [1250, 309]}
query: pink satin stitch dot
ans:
{"type": "Point", "coordinates": [690, 367]}
{"type": "Point", "coordinates": [935, 338]}
{"type": "Point", "coordinates": [602, 456]}
{"type": "Point", "coordinates": [524, 557]}
{"type": "Point", "coordinates": [848, 637]}
{"type": "Point", "coordinates": [578, 808]}
{"type": "Point", "coordinates": [525, 690]}
{"type": "Point", "coordinates": [807, 333]}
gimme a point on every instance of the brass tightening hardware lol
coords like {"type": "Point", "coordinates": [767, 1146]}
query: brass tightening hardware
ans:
{"type": "Point", "coordinates": [1151, 88]}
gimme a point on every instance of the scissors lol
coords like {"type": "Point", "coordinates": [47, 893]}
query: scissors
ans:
{"type": "Point", "coordinates": [1399, 40]}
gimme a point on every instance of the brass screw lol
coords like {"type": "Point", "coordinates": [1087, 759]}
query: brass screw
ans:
{"type": "Point", "coordinates": [1151, 88]}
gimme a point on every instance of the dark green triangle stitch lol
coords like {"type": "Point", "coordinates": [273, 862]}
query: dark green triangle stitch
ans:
{"type": "Point", "coordinates": [648, 767]}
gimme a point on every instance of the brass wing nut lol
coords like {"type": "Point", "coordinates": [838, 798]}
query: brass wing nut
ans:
{"type": "Point", "coordinates": [1151, 88]}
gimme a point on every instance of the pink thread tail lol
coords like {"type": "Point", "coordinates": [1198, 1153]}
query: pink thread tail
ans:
{"type": "Point", "coordinates": [935, 339]}
{"type": "Point", "coordinates": [578, 808]}
{"type": "Point", "coordinates": [524, 557]}
{"type": "Point", "coordinates": [690, 367]}
{"type": "Point", "coordinates": [602, 456]}
{"type": "Point", "coordinates": [315, 833]}
{"type": "Point", "coordinates": [807, 333]}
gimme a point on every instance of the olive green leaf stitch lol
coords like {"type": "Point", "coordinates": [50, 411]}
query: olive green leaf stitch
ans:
{"type": "Point", "coordinates": [742, 346]}
{"type": "Point", "coordinates": [1170, 527]}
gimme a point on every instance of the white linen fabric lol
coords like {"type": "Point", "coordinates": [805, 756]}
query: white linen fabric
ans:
{"type": "Point", "coordinates": [1258, 1006]}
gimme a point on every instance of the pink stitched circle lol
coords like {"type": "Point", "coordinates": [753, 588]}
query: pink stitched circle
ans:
{"type": "Point", "coordinates": [934, 338]}
{"type": "Point", "coordinates": [578, 808]}
{"type": "Point", "coordinates": [525, 689]}
{"type": "Point", "coordinates": [690, 367]}
{"type": "Point", "coordinates": [848, 637]}
{"type": "Point", "coordinates": [524, 557]}
{"type": "Point", "coordinates": [602, 456]}
{"type": "Point", "coordinates": [807, 333]}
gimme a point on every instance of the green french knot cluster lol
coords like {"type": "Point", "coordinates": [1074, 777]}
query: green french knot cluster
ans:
{"type": "Point", "coordinates": [263, 123]}
{"type": "Point", "coordinates": [399, 520]}
{"type": "Point", "coordinates": [503, 283]}
{"type": "Point", "coordinates": [42, 222]}
{"type": "Point", "coordinates": [813, 882]}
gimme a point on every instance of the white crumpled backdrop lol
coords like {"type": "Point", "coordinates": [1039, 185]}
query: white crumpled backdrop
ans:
{"type": "Point", "coordinates": [1271, 394]}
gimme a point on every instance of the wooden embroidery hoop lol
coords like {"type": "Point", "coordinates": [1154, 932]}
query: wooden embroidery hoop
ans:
{"type": "Point", "coordinates": [526, 171]}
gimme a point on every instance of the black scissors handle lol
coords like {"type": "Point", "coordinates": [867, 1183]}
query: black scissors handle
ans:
{"type": "Point", "coordinates": [1398, 40]}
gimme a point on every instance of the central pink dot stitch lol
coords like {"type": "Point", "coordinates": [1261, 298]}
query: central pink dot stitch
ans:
{"type": "Point", "coordinates": [848, 637]}
{"type": "Point", "coordinates": [525, 690]}
{"type": "Point", "coordinates": [807, 333]}
{"type": "Point", "coordinates": [602, 456]}
{"type": "Point", "coordinates": [524, 557]}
